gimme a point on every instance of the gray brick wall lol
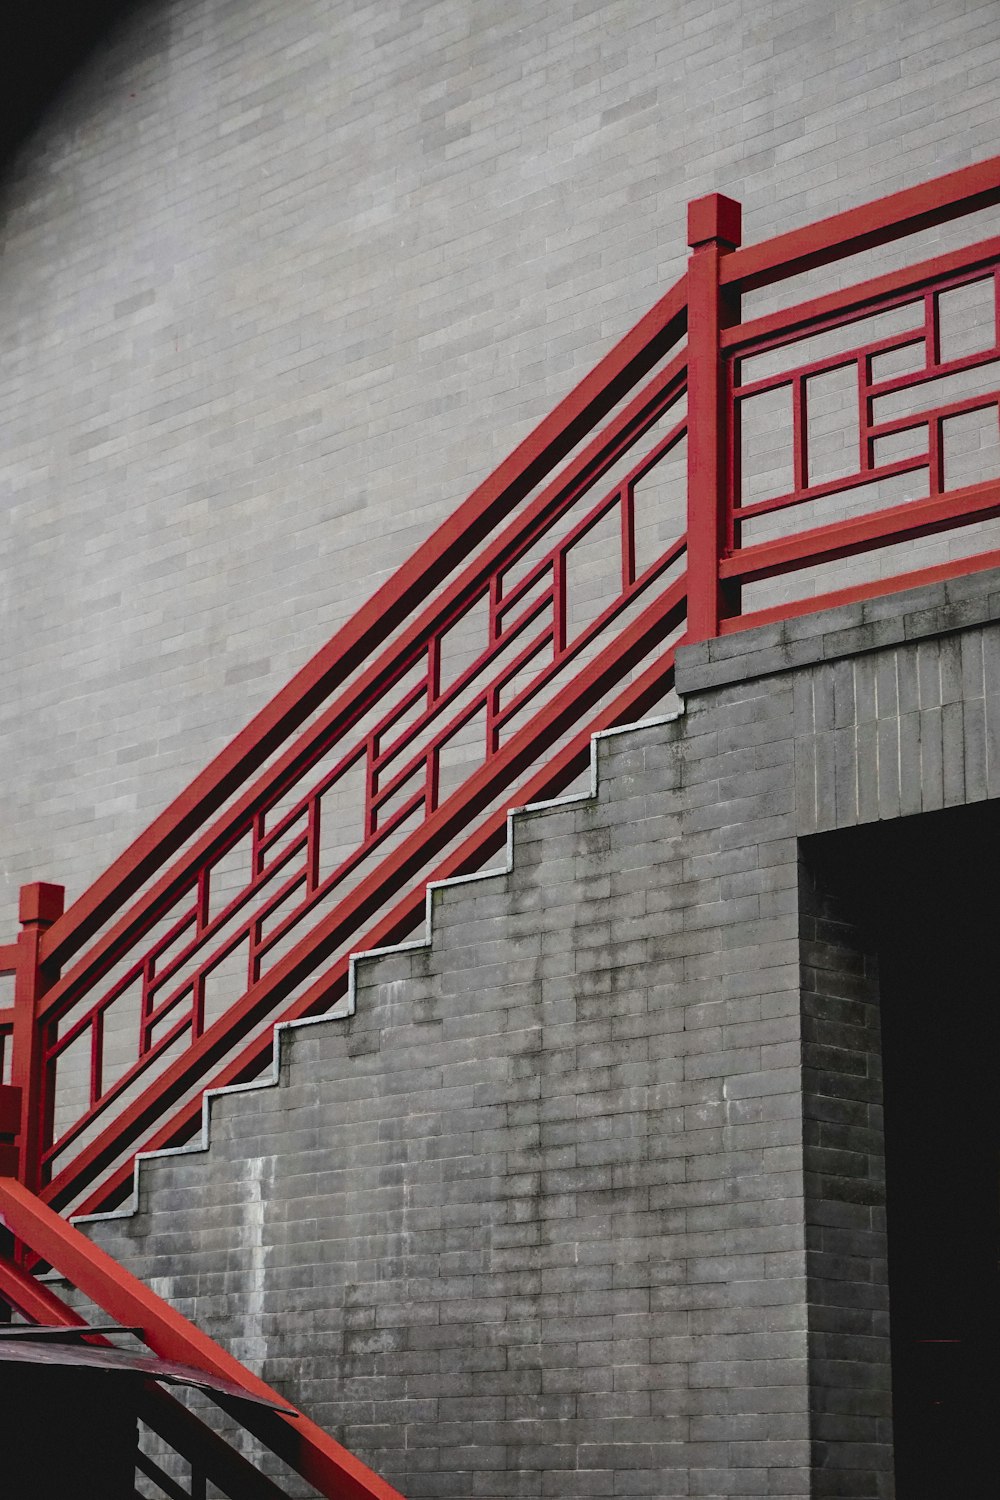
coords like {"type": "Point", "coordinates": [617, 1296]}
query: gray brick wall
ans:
{"type": "Point", "coordinates": [585, 1197]}
{"type": "Point", "coordinates": [507, 1231]}
{"type": "Point", "coordinates": [280, 282]}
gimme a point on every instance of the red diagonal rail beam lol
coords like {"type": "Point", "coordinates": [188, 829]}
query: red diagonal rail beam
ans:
{"type": "Point", "coordinates": [410, 859]}
{"type": "Point", "coordinates": [320, 1460]}
{"type": "Point", "coordinates": [833, 308]}
{"type": "Point", "coordinates": [856, 229]}
{"type": "Point", "coordinates": [877, 588]}
{"type": "Point", "coordinates": [859, 229]}
{"type": "Point", "coordinates": [897, 523]}
{"type": "Point", "coordinates": [36, 1302]}
{"type": "Point", "coordinates": [162, 1412]}
{"type": "Point", "coordinates": [627, 427]}
{"type": "Point", "coordinates": [872, 224]}
{"type": "Point", "coordinates": [591, 400]}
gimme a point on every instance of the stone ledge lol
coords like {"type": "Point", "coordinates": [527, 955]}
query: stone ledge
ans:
{"type": "Point", "coordinates": [848, 630]}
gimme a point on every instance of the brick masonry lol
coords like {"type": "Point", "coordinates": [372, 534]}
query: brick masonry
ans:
{"type": "Point", "coordinates": [585, 1197]}
{"type": "Point", "coordinates": [281, 281]}
{"type": "Point", "coordinates": [844, 1163]}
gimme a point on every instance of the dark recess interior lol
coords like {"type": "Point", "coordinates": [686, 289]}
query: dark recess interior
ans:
{"type": "Point", "coordinates": [926, 889]}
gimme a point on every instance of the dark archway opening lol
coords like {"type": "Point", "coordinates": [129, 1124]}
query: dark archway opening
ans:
{"type": "Point", "coordinates": [926, 892]}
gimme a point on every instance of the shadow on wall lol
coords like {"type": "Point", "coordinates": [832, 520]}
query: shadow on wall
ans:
{"type": "Point", "coordinates": [41, 47]}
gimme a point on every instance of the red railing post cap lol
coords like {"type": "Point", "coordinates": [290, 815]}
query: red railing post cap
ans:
{"type": "Point", "coordinates": [715, 217]}
{"type": "Point", "coordinates": [41, 902]}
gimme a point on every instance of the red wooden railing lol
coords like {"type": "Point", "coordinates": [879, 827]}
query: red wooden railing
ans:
{"type": "Point", "coordinates": [547, 607]}
{"type": "Point", "coordinates": [208, 1458]}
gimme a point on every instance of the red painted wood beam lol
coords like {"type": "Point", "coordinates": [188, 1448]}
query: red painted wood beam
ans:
{"type": "Point", "coordinates": [310, 1451]}
{"type": "Point", "coordinates": [897, 523]}
{"type": "Point", "coordinates": [185, 1432]}
{"type": "Point", "coordinates": [627, 426]}
{"type": "Point", "coordinates": [820, 312]}
{"type": "Point", "coordinates": [876, 588]}
{"type": "Point", "coordinates": [485, 839]}
{"type": "Point", "coordinates": [599, 391]}
{"type": "Point", "coordinates": [865, 227]}
{"type": "Point", "coordinates": [33, 1299]}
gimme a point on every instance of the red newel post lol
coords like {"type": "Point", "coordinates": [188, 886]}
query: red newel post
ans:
{"type": "Point", "coordinates": [714, 228]}
{"type": "Point", "coordinates": [40, 906]}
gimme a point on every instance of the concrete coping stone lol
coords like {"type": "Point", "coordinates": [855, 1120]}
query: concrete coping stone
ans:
{"type": "Point", "coordinates": [932, 609]}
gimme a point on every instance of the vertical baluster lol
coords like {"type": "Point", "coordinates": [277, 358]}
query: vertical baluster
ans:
{"type": "Point", "coordinates": [258, 860]}
{"type": "Point", "coordinates": [866, 443]}
{"type": "Point", "coordinates": [932, 331]}
{"type": "Point", "coordinates": [432, 785]}
{"type": "Point", "coordinates": [314, 834]}
{"type": "Point", "coordinates": [492, 714]}
{"type": "Point", "coordinates": [371, 788]}
{"type": "Point", "coordinates": [10, 1124]}
{"type": "Point", "coordinates": [96, 1058]}
{"type": "Point", "coordinates": [146, 1004]}
{"type": "Point", "coordinates": [935, 456]}
{"type": "Point", "coordinates": [560, 612]}
{"type": "Point", "coordinates": [432, 780]}
{"type": "Point", "coordinates": [40, 906]}
{"type": "Point", "coordinates": [495, 600]}
{"type": "Point", "coordinates": [935, 432]}
{"type": "Point", "coordinates": [626, 515]}
{"type": "Point", "coordinates": [713, 231]}
{"type": "Point", "coordinates": [800, 433]}
{"type": "Point", "coordinates": [433, 670]}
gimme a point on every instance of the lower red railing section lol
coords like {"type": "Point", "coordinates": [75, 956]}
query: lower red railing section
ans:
{"type": "Point", "coordinates": [714, 471]}
{"type": "Point", "coordinates": [297, 1441]}
{"type": "Point", "coordinates": [558, 625]}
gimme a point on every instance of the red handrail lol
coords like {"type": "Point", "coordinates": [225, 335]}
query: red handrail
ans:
{"type": "Point", "coordinates": [97, 1159]}
{"type": "Point", "coordinates": [323, 1462]}
{"type": "Point", "coordinates": [160, 922]}
{"type": "Point", "coordinates": [510, 753]}
{"type": "Point", "coordinates": [576, 415]}
{"type": "Point", "coordinates": [890, 218]}
{"type": "Point", "coordinates": [855, 230]}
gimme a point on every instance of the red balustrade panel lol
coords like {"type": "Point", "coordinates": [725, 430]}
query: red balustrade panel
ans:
{"type": "Point", "coordinates": [545, 608]}
{"type": "Point", "coordinates": [494, 673]}
{"type": "Point", "coordinates": [865, 419]}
